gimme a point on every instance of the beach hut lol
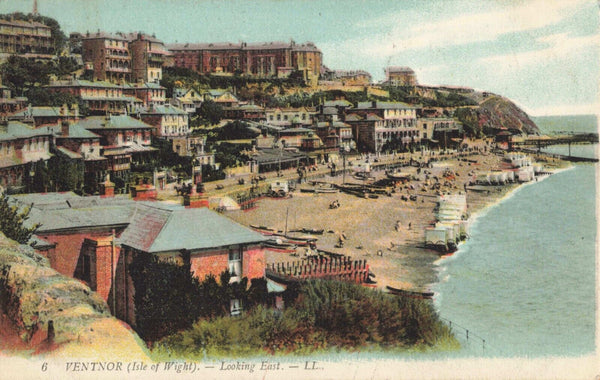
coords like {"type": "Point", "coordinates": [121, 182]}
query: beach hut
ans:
{"type": "Point", "coordinates": [223, 203]}
{"type": "Point", "coordinates": [483, 179]}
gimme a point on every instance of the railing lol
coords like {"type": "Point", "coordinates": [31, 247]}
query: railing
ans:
{"type": "Point", "coordinates": [470, 336]}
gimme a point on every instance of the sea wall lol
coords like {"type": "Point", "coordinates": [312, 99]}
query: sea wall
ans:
{"type": "Point", "coordinates": [54, 315]}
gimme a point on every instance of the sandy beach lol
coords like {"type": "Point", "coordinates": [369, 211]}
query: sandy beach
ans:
{"type": "Point", "coordinates": [396, 257]}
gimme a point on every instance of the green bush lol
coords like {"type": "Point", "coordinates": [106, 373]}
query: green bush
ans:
{"type": "Point", "coordinates": [320, 315]}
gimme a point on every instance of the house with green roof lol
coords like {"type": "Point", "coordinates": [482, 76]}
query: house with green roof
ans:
{"type": "Point", "coordinates": [45, 115]}
{"type": "Point", "coordinates": [99, 97]}
{"type": "Point", "coordinates": [124, 140]}
{"type": "Point", "coordinates": [21, 146]}
{"type": "Point", "coordinates": [168, 121]}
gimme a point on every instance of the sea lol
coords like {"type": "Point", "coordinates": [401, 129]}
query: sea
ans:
{"type": "Point", "coordinates": [523, 285]}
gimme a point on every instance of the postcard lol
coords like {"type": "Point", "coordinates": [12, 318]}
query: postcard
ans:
{"type": "Point", "coordinates": [294, 189]}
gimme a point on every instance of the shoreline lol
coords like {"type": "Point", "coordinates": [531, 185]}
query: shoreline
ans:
{"type": "Point", "coordinates": [395, 257]}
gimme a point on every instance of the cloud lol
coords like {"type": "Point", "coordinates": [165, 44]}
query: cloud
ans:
{"type": "Point", "coordinates": [565, 109]}
{"type": "Point", "coordinates": [560, 45]}
{"type": "Point", "coordinates": [465, 28]}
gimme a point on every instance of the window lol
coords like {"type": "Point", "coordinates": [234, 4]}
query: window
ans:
{"type": "Point", "coordinates": [235, 264]}
{"type": "Point", "coordinates": [235, 307]}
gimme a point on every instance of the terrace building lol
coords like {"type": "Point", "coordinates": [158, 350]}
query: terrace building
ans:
{"type": "Point", "coordinates": [148, 55]}
{"type": "Point", "coordinates": [149, 93]}
{"type": "Point", "coordinates": [400, 76]}
{"type": "Point", "coordinates": [74, 142]}
{"type": "Point", "coordinates": [20, 146]}
{"type": "Point", "coordinates": [263, 60]}
{"type": "Point", "coordinates": [107, 57]}
{"type": "Point", "coordinates": [40, 116]}
{"type": "Point", "coordinates": [99, 97]}
{"type": "Point", "coordinates": [8, 104]}
{"type": "Point", "coordinates": [168, 121]}
{"type": "Point", "coordinates": [25, 38]}
{"type": "Point", "coordinates": [289, 116]}
{"type": "Point", "coordinates": [376, 123]}
{"type": "Point", "coordinates": [124, 140]}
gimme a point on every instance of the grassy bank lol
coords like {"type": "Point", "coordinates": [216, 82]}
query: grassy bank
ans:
{"type": "Point", "coordinates": [320, 316]}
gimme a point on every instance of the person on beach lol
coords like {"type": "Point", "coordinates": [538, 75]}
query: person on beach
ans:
{"type": "Point", "coordinates": [397, 225]}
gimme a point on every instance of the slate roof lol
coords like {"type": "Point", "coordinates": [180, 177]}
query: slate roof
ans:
{"type": "Point", "coordinates": [68, 211]}
{"type": "Point", "coordinates": [383, 105]}
{"type": "Point", "coordinates": [156, 229]}
{"type": "Point", "coordinates": [150, 85]}
{"type": "Point", "coordinates": [83, 83]}
{"type": "Point", "coordinates": [353, 117]}
{"type": "Point", "coordinates": [103, 35]}
{"type": "Point", "coordinates": [69, 153]}
{"type": "Point", "coordinates": [333, 103]}
{"type": "Point", "coordinates": [399, 69]}
{"type": "Point", "coordinates": [76, 131]}
{"type": "Point", "coordinates": [38, 112]}
{"type": "Point", "coordinates": [17, 130]}
{"type": "Point", "coordinates": [308, 46]}
{"type": "Point", "coordinates": [24, 24]}
{"type": "Point", "coordinates": [162, 110]}
{"type": "Point", "coordinates": [112, 122]}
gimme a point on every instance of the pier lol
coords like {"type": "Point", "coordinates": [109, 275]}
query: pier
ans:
{"type": "Point", "coordinates": [535, 144]}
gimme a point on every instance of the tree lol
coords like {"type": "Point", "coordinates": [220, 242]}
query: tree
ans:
{"type": "Point", "coordinates": [166, 295]}
{"type": "Point", "coordinates": [12, 221]}
{"type": "Point", "coordinates": [211, 111]}
{"type": "Point", "coordinates": [21, 73]}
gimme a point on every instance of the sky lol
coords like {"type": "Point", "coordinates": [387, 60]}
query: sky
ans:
{"type": "Point", "coordinates": [542, 54]}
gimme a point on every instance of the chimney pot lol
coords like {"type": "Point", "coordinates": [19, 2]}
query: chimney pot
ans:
{"type": "Point", "coordinates": [64, 128]}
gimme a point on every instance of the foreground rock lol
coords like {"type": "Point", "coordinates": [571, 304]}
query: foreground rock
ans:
{"type": "Point", "coordinates": [34, 296]}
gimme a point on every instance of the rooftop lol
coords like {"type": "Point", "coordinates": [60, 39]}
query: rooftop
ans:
{"type": "Point", "coordinates": [16, 130]}
{"type": "Point", "coordinates": [112, 122]}
{"type": "Point", "coordinates": [167, 109]}
{"type": "Point", "coordinates": [384, 105]}
{"type": "Point", "coordinates": [156, 229]}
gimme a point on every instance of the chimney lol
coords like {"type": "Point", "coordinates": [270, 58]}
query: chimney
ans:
{"type": "Point", "coordinates": [107, 188]}
{"type": "Point", "coordinates": [3, 124]}
{"type": "Point", "coordinates": [64, 128]}
{"type": "Point", "coordinates": [76, 111]}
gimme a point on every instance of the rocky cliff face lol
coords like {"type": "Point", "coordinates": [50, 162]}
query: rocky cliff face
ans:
{"type": "Point", "coordinates": [33, 296]}
{"type": "Point", "coordinates": [497, 112]}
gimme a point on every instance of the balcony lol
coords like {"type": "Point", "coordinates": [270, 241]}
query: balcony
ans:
{"type": "Point", "coordinates": [120, 167]}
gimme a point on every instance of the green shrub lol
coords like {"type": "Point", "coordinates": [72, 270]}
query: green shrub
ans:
{"type": "Point", "coordinates": [320, 315]}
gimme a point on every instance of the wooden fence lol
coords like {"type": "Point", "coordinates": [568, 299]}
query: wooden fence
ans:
{"type": "Point", "coordinates": [321, 267]}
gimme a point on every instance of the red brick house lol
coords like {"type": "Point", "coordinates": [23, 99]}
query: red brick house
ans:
{"type": "Point", "coordinates": [90, 238]}
{"type": "Point", "coordinates": [214, 242]}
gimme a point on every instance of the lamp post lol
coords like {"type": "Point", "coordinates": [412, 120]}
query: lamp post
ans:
{"type": "Point", "coordinates": [31, 176]}
{"type": "Point", "coordinates": [345, 149]}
